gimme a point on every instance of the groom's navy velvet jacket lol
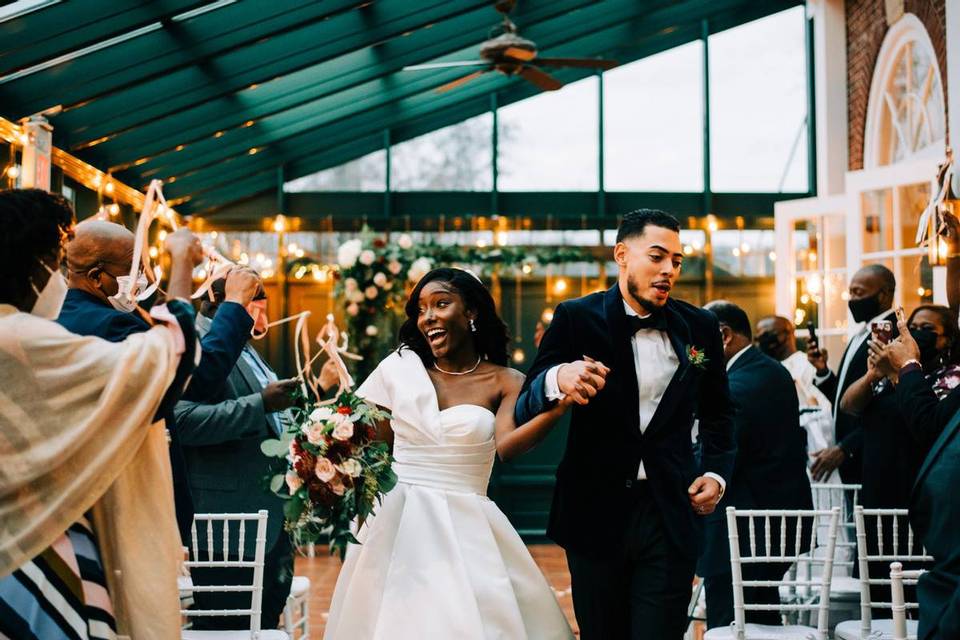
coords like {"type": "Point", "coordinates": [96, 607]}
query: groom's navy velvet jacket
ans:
{"type": "Point", "coordinates": [592, 497]}
{"type": "Point", "coordinates": [86, 315]}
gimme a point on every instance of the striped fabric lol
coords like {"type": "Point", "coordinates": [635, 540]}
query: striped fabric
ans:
{"type": "Point", "coordinates": [59, 595]}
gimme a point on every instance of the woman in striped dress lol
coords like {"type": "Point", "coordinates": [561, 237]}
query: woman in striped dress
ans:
{"type": "Point", "coordinates": [77, 439]}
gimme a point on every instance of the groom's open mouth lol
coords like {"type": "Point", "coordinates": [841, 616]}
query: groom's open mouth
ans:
{"type": "Point", "coordinates": [436, 336]}
{"type": "Point", "coordinates": [663, 288]}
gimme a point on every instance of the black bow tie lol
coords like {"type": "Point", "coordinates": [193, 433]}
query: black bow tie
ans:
{"type": "Point", "coordinates": [653, 321]}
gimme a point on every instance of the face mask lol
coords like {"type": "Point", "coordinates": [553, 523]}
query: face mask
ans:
{"type": "Point", "coordinates": [769, 344]}
{"type": "Point", "coordinates": [50, 300]}
{"type": "Point", "coordinates": [127, 293]}
{"type": "Point", "coordinates": [927, 342]}
{"type": "Point", "coordinates": [258, 311]}
{"type": "Point", "coordinates": [864, 308]}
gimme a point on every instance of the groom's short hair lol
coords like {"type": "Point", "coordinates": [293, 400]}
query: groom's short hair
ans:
{"type": "Point", "coordinates": [635, 222]}
{"type": "Point", "coordinates": [732, 316]}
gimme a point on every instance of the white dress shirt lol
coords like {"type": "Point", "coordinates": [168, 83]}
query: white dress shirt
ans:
{"type": "Point", "coordinates": [655, 362]}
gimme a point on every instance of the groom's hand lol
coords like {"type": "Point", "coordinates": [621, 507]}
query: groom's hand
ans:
{"type": "Point", "coordinates": [704, 495]}
{"type": "Point", "coordinates": [582, 379]}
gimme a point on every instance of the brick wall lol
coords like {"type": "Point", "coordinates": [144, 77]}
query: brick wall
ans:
{"type": "Point", "coordinates": [866, 28]}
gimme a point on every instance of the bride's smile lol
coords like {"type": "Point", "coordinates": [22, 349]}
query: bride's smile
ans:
{"type": "Point", "coordinates": [444, 321]}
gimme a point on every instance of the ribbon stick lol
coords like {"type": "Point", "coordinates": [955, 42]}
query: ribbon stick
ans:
{"type": "Point", "coordinates": [328, 339]}
{"type": "Point", "coordinates": [931, 222]}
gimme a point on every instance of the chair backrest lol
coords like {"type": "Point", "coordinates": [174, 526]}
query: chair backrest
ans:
{"type": "Point", "coordinates": [826, 496]}
{"type": "Point", "coordinates": [797, 536]}
{"type": "Point", "coordinates": [883, 535]}
{"type": "Point", "coordinates": [229, 555]}
{"type": "Point", "coordinates": [899, 605]}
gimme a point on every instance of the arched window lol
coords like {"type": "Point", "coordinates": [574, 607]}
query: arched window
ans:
{"type": "Point", "coordinates": [906, 113]}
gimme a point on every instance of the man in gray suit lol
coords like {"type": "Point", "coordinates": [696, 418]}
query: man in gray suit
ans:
{"type": "Point", "coordinates": [227, 472]}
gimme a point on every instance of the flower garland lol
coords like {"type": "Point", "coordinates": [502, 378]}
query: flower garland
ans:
{"type": "Point", "coordinates": [375, 279]}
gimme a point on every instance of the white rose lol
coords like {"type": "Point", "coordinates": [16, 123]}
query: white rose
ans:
{"type": "Point", "coordinates": [344, 428]}
{"type": "Point", "coordinates": [350, 284]}
{"type": "Point", "coordinates": [348, 252]}
{"type": "Point", "coordinates": [325, 470]}
{"type": "Point", "coordinates": [314, 433]}
{"type": "Point", "coordinates": [351, 468]}
{"type": "Point", "coordinates": [367, 257]}
{"type": "Point", "coordinates": [405, 241]}
{"type": "Point", "coordinates": [320, 414]}
{"type": "Point", "coordinates": [380, 279]}
{"type": "Point", "coordinates": [418, 269]}
{"type": "Point", "coordinates": [353, 309]}
{"type": "Point", "coordinates": [394, 267]}
{"type": "Point", "coordinates": [371, 292]}
{"type": "Point", "coordinates": [293, 482]}
{"type": "Point", "coordinates": [372, 330]}
{"type": "Point", "coordinates": [355, 296]}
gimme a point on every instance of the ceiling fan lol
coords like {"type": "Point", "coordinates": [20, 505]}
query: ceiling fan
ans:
{"type": "Point", "coordinates": [512, 55]}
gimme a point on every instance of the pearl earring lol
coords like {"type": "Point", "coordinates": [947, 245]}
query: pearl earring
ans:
{"type": "Point", "coordinates": [473, 326]}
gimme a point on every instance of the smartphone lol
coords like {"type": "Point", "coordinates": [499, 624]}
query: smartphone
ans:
{"type": "Point", "coordinates": [882, 331]}
{"type": "Point", "coordinates": [812, 335]}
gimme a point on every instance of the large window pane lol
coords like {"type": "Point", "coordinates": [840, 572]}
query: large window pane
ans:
{"type": "Point", "coordinates": [368, 173]}
{"type": "Point", "coordinates": [653, 123]}
{"type": "Point", "coordinates": [550, 141]}
{"type": "Point", "coordinates": [455, 158]}
{"type": "Point", "coordinates": [758, 105]}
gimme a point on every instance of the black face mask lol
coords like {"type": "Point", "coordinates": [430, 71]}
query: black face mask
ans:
{"type": "Point", "coordinates": [865, 308]}
{"type": "Point", "coordinates": [769, 343]}
{"type": "Point", "coordinates": [927, 343]}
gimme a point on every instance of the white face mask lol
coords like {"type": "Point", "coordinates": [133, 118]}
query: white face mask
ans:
{"type": "Point", "coordinates": [127, 293]}
{"type": "Point", "coordinates": [50, 300]}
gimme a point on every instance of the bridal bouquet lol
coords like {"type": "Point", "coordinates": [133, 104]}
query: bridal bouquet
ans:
{"type": "Point", "coordinates": [336, 470]}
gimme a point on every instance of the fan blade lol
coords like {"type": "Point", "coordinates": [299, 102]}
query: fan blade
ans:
{"type": "Point", "coordinates": [516, 53]}
{"type": "Point", "coordinates": [460, 81]}
{"type": "Point", "coordinates": [446, 65]}
{"type": "Point", "coordinates": [544, 81]}
{"type": "Point", "coordinates": [585, 63]}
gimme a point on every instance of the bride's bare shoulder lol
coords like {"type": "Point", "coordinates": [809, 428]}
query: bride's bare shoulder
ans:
{"type": "Point", "coordinates": [510, 379]}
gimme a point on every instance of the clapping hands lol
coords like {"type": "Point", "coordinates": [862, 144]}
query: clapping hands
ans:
{"type": "Point", "coordinates": [582, 379]}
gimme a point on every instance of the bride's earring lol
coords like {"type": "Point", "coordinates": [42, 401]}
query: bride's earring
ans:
{"type": "Point", "coordinates": [473, 326]}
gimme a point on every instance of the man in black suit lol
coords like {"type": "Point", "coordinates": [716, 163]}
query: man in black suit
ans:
{"type": "Point", "coordinates": [770, 470]}
{"type": "Point", "coordinates": [630, 496]}
{"type": "Point", "coordinates": [99, 254]}
{"type": "Point", "coordinates": [871, 296]}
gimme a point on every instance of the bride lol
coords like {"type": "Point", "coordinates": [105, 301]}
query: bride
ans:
{"type": "Point", "coordinates": [439, 560]}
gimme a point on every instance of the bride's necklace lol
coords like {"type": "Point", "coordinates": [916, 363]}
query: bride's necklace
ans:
{"type": "Point", "coordinates": [458, 373]}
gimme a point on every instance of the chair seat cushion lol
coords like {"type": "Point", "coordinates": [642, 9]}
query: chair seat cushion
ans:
{"type": "Point", "coordinates": [299, 586]}
{"type": "Point", "coordinates": [267, 634]}
{"type": "Point", "coordinates": [764, 632]}
{"type": "Point", "coordinates": [879, 630]}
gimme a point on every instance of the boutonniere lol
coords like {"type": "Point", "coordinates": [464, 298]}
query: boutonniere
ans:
{"type": "Point", "coordinates": [697, 357]}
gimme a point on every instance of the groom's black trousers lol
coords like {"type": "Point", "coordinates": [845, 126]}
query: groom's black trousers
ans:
{"type": "Point", "coordinates": [642, 590]}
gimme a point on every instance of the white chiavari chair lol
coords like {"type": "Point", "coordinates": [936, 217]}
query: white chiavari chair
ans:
{"type": "Point", "coordinates": [898, 577]}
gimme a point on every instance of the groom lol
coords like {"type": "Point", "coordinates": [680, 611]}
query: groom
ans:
{"type": "Point", "coordinates": [630, 495]}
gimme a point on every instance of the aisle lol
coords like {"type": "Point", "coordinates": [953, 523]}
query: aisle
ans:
{"type": "Point", "coordinates": [322, 571]}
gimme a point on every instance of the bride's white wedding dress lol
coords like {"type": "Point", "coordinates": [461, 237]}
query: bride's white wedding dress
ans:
{"type": "Point", "coordinates": [439, 560]}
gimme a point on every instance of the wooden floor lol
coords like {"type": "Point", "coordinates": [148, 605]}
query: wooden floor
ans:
{"type": "Point", "coordinates": [322, 571]}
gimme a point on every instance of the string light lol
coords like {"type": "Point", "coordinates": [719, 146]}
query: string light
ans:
{"type": "Point", "coordinates": [547, 315]}
{"type": "Point", "coordinates": [13, 172]}
{"type": "Point", "coordinates": [560, 286]}
{"type": "Point", "coordinates": [114, 209]}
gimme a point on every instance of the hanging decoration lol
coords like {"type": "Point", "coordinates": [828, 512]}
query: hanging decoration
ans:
{"type": "Point", "coordinates": [932, 226]}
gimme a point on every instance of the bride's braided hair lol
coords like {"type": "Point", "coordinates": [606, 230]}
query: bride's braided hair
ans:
{"type": "Point", "coordinates": [491, 338]}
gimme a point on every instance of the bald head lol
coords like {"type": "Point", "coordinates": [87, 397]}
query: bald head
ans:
{"type": "Point", "coordinates": [776, 337]}
{"type": "Point", "coordinates": [99, 253]}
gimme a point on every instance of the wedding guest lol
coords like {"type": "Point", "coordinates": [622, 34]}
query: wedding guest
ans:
{"type": "Point", "coordinates": [101, 253]}
{"type": "Point", "coordinates": [776, 337]}
{"type": "Point", "coordinates": [89, 545]}
{"type": "Point", "coordinates": [892, 454]}
{"type": "Point", "coordinates": [934, 509]}
{"type": "Point", "coordinates": [871, 297]}
{"type": "Point", "coordinates": [769, 472]}
{"type": "Point", "coordinates": [221, 443]}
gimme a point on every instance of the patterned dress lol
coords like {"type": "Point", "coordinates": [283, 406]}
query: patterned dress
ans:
{"type": "Point", "coordinates": [60, 594]}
